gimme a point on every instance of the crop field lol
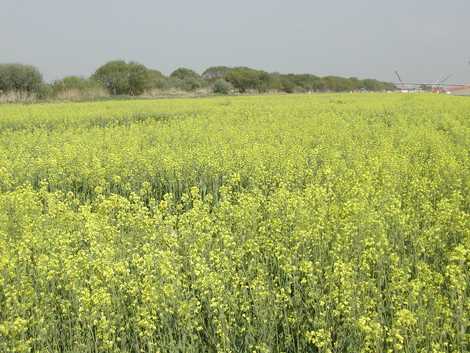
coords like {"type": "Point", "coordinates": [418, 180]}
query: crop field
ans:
{"type": "Point", "coordinates": [299, 223]}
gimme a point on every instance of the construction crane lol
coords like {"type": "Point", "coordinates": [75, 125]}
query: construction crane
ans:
{"type": "Point", "coordinates": [441, 80]}
{"type": "Point", "coordinates": [401, 81]}
{"type": "Point", "coordinates": [441, 83]}
{"type": "Point", "coordinates": [438, 86]}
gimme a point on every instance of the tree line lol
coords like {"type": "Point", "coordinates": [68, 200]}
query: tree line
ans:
{"type": "Point", "coordinates": [121, 78]}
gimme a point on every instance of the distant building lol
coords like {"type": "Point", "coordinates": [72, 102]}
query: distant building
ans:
{"type": "Point", "coordinates": [460, 91]}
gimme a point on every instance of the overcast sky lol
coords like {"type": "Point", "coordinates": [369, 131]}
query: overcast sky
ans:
{"type": "Point", "coordinates": [423, 39]}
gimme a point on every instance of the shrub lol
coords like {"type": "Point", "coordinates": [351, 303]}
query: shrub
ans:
{"type": "Point", "coordinates": [222, 87]}
{"type": "Point", "coordinates": [45, 91]}
{"type": "Point", "coordinates": [75, 82]}
{"type": "Point", "coordinates": [74, 87]}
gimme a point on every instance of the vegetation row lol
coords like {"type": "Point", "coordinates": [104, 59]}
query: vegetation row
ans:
{"type": "Point", "coordinates": [119, 78]}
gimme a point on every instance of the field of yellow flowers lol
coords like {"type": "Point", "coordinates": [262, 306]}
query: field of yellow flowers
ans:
{"type": "Point", "coordinates": [309, 223]}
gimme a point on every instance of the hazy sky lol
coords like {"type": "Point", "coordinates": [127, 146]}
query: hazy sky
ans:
{"type": "Point", "coordinates": [423, 39]}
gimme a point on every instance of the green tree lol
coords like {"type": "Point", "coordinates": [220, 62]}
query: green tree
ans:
{"type": "Point", "coordinates": [157, 80]}
{"type": "Point", "coordinates": [138, 78]}
{"type": "Point", "coordinates": [244, 78]}
{"type": "Point", "coordinates": [337, 84]}
{"type": "Point", "coordinates": [215, 72]}
{"type": "Point", "coordinates": [184, 73]}
{"type": "Point", "coordinates": [19, 77]}
{"type": "Point", "coordinates": [355, 83]}
{"type": "Point", "coordinates": [120, 77]}
{"type": "Point", "coordinates": [186, 79]}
